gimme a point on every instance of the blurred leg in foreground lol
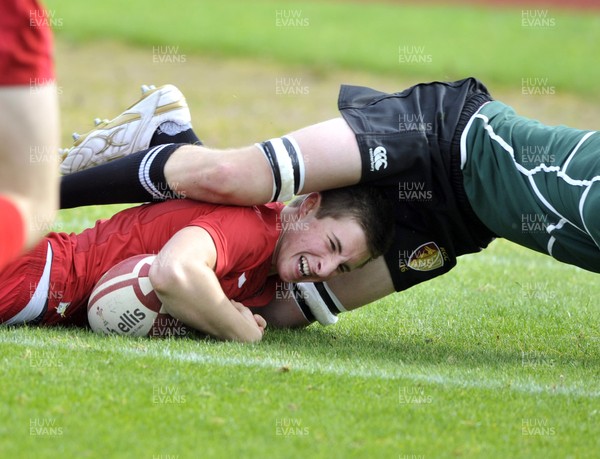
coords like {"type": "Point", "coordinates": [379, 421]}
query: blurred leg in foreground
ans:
{"type": "Point", "coordinates": [28, 128]}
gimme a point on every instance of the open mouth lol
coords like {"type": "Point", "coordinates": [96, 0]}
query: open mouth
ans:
{"type": "Point", "coordinates": [303, 266]}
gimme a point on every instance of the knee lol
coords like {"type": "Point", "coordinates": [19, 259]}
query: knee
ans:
{"type": "Point", "coordinates": [236, 177]}
{"type": "Point", "coordinates": [224, 181]}
{"type": "Point", "coordinates": [199, 173]}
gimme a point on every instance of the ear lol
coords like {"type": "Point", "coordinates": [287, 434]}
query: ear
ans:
{"type": "Point", "coordinates": [311, 203]}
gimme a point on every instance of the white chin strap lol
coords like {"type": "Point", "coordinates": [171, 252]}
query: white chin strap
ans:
{"type": "Point", "coordinates": [318, 302]}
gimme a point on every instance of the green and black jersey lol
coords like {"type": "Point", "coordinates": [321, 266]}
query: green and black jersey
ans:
{"type": "Point", "coordinates": [442, 152]}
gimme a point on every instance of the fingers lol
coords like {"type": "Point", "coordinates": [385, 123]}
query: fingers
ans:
{"type": "Point", "coordinates": [257, 319]}
{"type": "Point", "coordinates": [260, 321]}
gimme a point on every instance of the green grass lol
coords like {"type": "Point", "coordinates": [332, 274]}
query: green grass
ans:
{"type": "Point", "coordinates": [451, 41]}
{"type": "Point", "coordinates": [499, 358]}
{"type": "Point", "coordinates": [505, 345]}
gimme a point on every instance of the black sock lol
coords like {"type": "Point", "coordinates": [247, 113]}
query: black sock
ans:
{"type": "Point", "coordinates": [161, 138]}
{"type": "Point", "coordinates": [138, 177]}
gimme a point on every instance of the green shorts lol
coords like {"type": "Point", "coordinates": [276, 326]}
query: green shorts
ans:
{"type": "Point", "coordinates": [536, 185]}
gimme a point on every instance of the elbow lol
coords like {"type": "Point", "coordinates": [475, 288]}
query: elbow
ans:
{"type": "Point", "coordinates": [165, 277]}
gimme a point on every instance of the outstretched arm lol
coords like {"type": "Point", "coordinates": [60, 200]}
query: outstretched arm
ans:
{"type": "Point", "coordinates": [184, 279]}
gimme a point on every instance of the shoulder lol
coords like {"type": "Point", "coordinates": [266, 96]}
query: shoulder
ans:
{"type": "Point", "coordinates": [242, 224]}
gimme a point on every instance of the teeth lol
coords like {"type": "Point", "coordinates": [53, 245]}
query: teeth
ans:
{"type": "Point", "coordinates": [97, 121]}
{"type": "Point", "coordinates": [303, 265]}
{"type": "Point", "coordinates": [76, 136]}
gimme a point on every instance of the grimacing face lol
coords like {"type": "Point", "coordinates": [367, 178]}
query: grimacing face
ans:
{"type": "Point", "coordinates": [314, 250]}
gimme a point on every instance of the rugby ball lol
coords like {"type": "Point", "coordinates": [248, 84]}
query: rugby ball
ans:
{"type": "Point", "coordinates": [123, 302]}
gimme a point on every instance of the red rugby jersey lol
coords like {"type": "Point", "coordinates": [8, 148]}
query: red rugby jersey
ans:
{"type": "Point", "coordinates": [245, 238]}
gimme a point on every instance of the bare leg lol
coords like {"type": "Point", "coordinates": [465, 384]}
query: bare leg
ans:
{"type": "Point", "coordinates": [243, 176]}
{"type": "Point", "coordinates": [363, 286]}
{"type": "Point", "coordinates": [28, 153]}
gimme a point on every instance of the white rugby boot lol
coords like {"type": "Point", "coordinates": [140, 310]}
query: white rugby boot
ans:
{"type": "Point", "coordinates": [129, 132]}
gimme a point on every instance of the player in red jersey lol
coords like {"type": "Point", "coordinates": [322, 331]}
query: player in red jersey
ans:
{"type": "Point", "coordinates": [28, 127]}
{"type": "Point", "coordinates": [223, 255]}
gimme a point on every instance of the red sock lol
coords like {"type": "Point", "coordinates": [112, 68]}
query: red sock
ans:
{"type": "Point", "coordinates": [12, 231]}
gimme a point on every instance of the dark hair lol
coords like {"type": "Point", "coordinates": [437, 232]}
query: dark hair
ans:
{"type": "Point", "coordinates": [369, 207]}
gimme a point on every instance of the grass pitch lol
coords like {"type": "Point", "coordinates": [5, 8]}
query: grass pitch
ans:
{"type": "Point", "coordinates": [521, 47]}
{"type": "Point", "coordinates": [466, 366]}
{"type": "Point", "coordinates": [498, 358]}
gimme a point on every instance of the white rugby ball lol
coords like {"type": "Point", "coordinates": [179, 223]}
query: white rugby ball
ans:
{"type": "Point", "coordinates": [123, 302]}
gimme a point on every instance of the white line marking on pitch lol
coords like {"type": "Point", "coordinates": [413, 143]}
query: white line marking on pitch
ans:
{"type": "Point", "coordinates": [313, 367]}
